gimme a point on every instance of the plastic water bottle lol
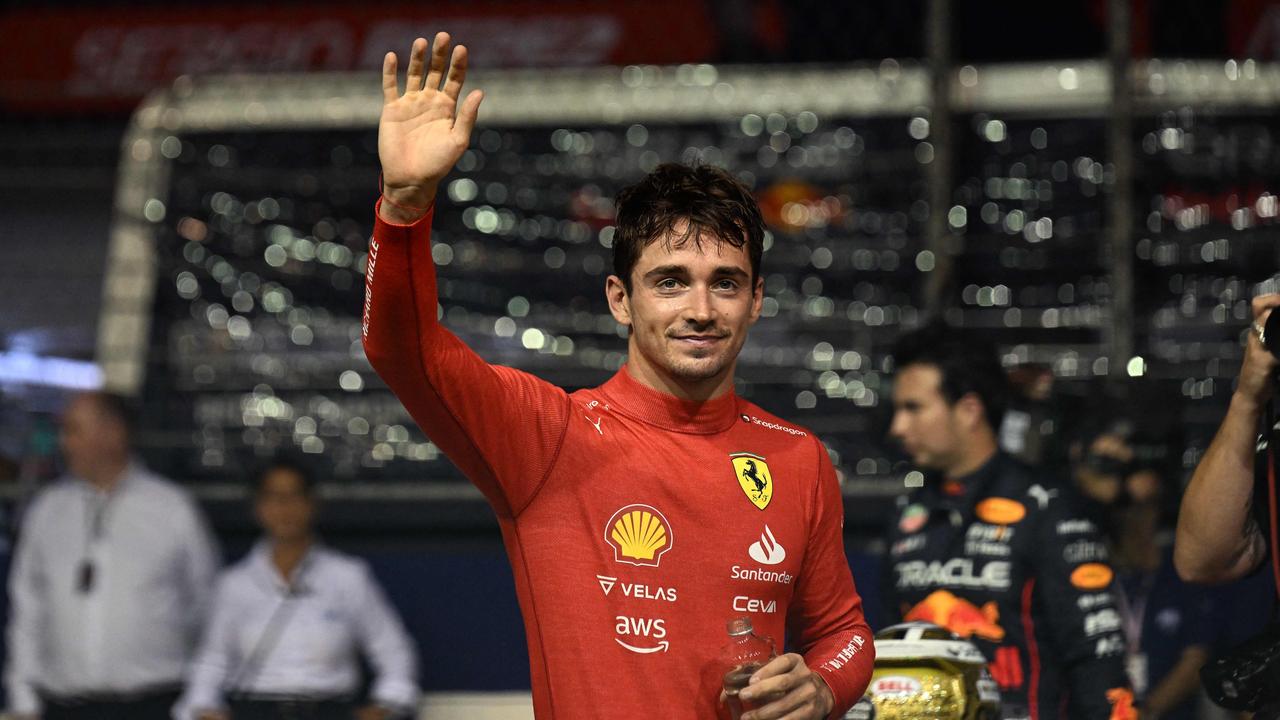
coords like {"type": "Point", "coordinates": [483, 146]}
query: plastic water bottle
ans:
{"type": "Point", "coordinates": [745, 653]}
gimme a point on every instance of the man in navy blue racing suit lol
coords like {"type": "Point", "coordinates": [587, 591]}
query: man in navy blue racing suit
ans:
{"type": "Point", "coordinates": [994, 550]}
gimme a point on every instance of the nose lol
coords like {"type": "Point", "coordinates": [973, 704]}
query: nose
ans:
{"type": "Point", "coordinates": [898, 428]}
{"type": "Point", "coordinates": [700, 310]}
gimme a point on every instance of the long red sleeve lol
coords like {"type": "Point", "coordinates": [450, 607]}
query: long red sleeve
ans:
{"type": "Point", "coordinates": [448, 389]}
{"type": "Point", "coordinates": [826, 614]}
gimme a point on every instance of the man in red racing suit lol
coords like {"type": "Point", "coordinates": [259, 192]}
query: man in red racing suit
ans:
{"type": "Point", "coordinates": [641, 515]}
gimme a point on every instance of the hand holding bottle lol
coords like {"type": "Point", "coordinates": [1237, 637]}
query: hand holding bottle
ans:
{"type": "Point", "coordinates": [761, 685]}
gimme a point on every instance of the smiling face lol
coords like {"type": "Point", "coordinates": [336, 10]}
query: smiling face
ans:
{"type": "Point", "coordinates": [689, 308]}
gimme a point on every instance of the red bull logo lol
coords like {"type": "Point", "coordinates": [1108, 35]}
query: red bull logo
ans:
{"type": "Point", "coordinates": [959, 616]}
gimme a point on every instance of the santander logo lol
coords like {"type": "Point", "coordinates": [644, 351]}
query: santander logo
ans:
{"type": "Point", "coordinates": [767, 551]}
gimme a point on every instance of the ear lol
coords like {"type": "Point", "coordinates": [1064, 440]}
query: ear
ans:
{"type": "Point", "coordinates": [757, 299]}
{"type": "Point", "coordinates": [619, 303]}
{"type": "Point", "coordinates": [971, 411]}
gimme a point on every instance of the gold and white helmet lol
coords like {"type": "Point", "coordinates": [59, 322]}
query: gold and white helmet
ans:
{"type": "Point", "coordinates": [926, 672]}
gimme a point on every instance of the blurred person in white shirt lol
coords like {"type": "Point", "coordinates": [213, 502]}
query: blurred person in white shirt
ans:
{"type": "Point", "coordinates": [112, 572]}
{"type": "Point", "coordinates": [290, 621]}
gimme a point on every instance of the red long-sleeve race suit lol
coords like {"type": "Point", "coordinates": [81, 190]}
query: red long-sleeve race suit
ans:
{"type": "Point", "coordinates": [637, 524]}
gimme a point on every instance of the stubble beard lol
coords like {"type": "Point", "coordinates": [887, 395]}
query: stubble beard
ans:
{"type": "Point", "coordinates": [698, 368]}
{"type": "Point", "coordinates": [705, 367]}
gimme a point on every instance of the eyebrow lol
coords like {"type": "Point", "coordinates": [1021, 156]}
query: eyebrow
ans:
{"type": "Point", "coordinates": [719, 272]}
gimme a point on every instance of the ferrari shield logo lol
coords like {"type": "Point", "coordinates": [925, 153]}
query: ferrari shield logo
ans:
{"type": "Point", "coordinates": [754, 478]}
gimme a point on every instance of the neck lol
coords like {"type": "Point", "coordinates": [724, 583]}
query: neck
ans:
{"type": "Point", "coordinates": [106, 474]}
{"type": "Point", "coordinates": [700, 390]}
{"type": "Point", "coordinates": [286, 555]}
{"type": "Point", "coordinates": [978, 452]}
{"type": "Point", "coordinates": [1137, 543]}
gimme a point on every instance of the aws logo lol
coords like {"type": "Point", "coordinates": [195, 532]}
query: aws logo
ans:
{"type": "Point", "coordinates": [646, 630]}
{"type": "Point", "coordinates": [639, 535]}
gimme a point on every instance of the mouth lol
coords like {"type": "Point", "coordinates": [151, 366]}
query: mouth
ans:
{"type": "Point", "coordinates": [698, 341]}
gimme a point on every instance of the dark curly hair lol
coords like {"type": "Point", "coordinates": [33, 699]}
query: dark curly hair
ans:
{"type": "Point", "coordinates": [708, 199]}
{"type": "Point", "coordinates": [967, 362]}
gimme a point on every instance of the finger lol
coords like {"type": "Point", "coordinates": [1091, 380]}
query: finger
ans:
{"type": "Point", "coordinates": [457, 72]}
{"type": "Point", "coordinates": [1262, 303]}
{"type": "Point", "coordinates": [776, 678]}
{"type": "Point", "coordinates": [800, 713]}
{"type": "Point", "coordinates": [780, 665]}
{"type": "Point", "coordinates": [467, 116]}
{"type": "Point", "coordinates": [439, 56]}
{"type": "Point", "coordinates": [770, 688]}
{"type": "Point", "coordinates": [389, 92]}
{"type": "Point", "coordinates": [784, 706]}
{"type": "Point", "coordinates": [413, 83]}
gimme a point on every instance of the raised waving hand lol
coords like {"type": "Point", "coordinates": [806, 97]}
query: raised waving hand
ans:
{"type": "Point", "coordinates": [423, 131]}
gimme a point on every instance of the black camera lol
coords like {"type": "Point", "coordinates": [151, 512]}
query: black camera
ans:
{"type": "Point", "coordinates": [1271, 333]}
{"type": "Point", "coordinates": [1248, 677]}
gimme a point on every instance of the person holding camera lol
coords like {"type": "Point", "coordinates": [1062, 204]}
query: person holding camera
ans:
{"type": "Point", "coordinates": [1219, 539]}
{"type": "Point", "coordinates": [1228, 522]}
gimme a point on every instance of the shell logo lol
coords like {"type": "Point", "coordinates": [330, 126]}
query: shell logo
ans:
{"type": "Point", "coordinates": [639, 535]}
{"type": "Point", "coordinates": [1000, 511]}
{"type": "Point", "coordinates": [1091, 576]}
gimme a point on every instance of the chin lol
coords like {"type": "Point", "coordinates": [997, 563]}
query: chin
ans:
{"type": "Point", "coordinates": [697, 369]}
{"type": "Point", "coordinates": [924, 462]}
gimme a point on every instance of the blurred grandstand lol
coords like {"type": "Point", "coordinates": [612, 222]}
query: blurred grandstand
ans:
{"type": "Point", "coordinates": [245, 201]}
{"type": "Point", "coordinates": [1108, 235]}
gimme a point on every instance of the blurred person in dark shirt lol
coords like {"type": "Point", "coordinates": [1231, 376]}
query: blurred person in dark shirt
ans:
{"type": "Point", "coordinates": [1126, 473]}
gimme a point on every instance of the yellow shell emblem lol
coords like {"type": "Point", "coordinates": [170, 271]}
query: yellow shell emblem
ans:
{"type": "Point", "coordinates": [754, 478]}
{"type": "Point", "coordinates": [639, 535]}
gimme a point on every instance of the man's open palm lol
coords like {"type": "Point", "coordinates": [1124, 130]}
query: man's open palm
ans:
{"type": "Point", "coordinates": [423, 132]}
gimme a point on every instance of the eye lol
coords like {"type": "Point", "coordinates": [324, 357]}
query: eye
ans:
{"type": "Point", "coordinates": [727, 284]}
{"type": "Point", "coordinates": [668, 284]}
